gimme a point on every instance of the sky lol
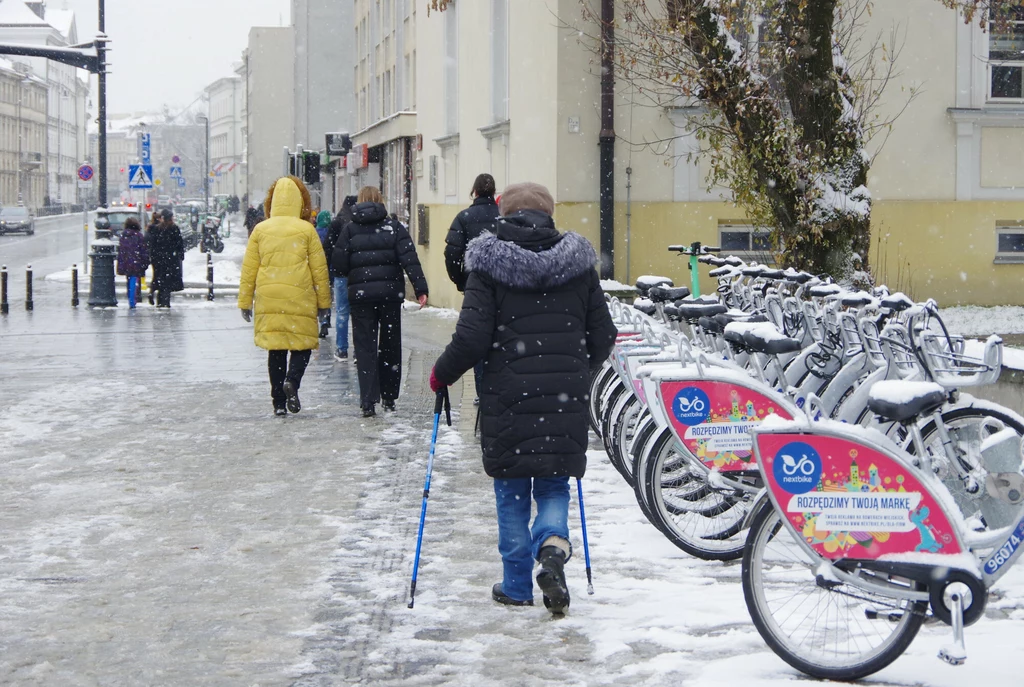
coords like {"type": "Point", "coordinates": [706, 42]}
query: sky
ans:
{"type": "Point", "coordinates": [167, 51]}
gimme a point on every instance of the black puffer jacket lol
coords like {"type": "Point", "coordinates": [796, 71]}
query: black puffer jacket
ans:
{"type": "Point", "coordinates": [372, 251]}
{"type": "Point", "coordinates": [535, 314]}
{"type": "Point", "coordinates": [166, 251]}
{"type": "Point", "coordinates": [338, 224]}
{"type": "Point", "coordinates": [479, 217]}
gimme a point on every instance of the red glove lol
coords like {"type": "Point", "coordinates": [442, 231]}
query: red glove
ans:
{"type": "Point", "coordinates": [435, 385]}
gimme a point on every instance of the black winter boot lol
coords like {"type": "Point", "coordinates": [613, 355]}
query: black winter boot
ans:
{"type": "Point", "coordinates": [551, 579]}
{"type": "Point", "coordinates": [292, 394]}
{"type": "Point", "coordinates": [499, 595]}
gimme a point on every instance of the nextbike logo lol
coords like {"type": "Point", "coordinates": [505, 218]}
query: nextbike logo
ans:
{"type": "Point", "coordinates": [797, 468]}
{"type": "Point", "coordinates": [691, 406]}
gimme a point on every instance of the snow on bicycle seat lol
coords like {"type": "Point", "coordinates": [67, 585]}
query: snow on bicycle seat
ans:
{"type": "Point", "coordinates": [719, 272]}
{"type": "Point", "coordinates": [856, 299]}
{"type": "Point", "coordinates": [823, 290]}
{"type": "Point", "coordinates": [797, 277]}
{"type": "Point", "coordinates": [697, 309]}
{"type": "Point", "coordinates": [709, 324]}
{"type": "Point", "coordinates": [763, 337]}
{"type": "Point", "coordinates": [897, 302]}
{"type": "Point", "coordinates": [902, 400]}
{"type": "Point", "coordinates": [712, 260]}
{"type": "Point", "coordinates": [644, 305]}
{"type": "Point", "coordinates": [754, 270]}
{"type": "Point", "coordinates": [648, 281]}
{"type": "Point", "coordinates": [773, 274]}
{"type": "Point", "coordinates": [733, 261]}
{"type": "Point", "coordinates": [666, 294]}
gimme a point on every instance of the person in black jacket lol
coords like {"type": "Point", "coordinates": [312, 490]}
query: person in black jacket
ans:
{"type": "Point", "coordinates": [479, 217]}
{"type": "Point", "coordinates": [166, 250]}
{"type": "Point", "coordinates": [340, 283]}
{"type": "Point", "coordinates": [535, 314]}
{"type": "Point", "coordinates": [372, 251]}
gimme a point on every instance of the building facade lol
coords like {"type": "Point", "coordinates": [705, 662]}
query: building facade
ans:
{"type": "Point", "coordinates": [269, 106]}
{"type": "Point", "coordinates": [22, 136]}
{"type": "Point", "coordinates": [947, 186]}
{"type": "Point", "coordinates": [65, 142]}
{"type": "Point", "coordinates": [227, 161]}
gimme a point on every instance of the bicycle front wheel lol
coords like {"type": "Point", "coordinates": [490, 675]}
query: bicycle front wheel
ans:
{"type": "Point", "coordinates": [827, 629]}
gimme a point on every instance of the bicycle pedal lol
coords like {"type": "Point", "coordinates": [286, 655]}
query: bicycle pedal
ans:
{"type": "Point", "coordinates": [953, 655]}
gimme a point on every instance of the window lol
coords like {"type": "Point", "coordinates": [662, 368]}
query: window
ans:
{"type": "Point", "coordinates": [499, 60]}
{"type": "Point", "coordinates": [1006, 57]}
{"type": "Point", "coordinates": [387, 93]}
{"type": "Point", "coordinates": [1009, 241]}
{"type": "Point", "coordinates": [451, 69]}
{"type": "Point", "coordinates": [745, 241]}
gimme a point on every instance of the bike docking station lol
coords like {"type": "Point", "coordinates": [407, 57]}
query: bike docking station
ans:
{"type": "Point", "coordinates": [820, 435]}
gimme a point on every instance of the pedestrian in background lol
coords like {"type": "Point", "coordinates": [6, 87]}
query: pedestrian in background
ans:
{"type": "Point", "coordinates": [250, 220]}
{"type": "Point", "coordinates": [132, 257]}
{"type": "Point", "coordinates": [153, 222]}
{"type": "Point", "coordinates": [479, 217]}
{"type": "Point", "coordinates": [372, 251]}
{"type": "Point", "coordinates": [341, 305]}
{"type": "Point", "coordinates": [284, 275]}
{"type": "Point", "coordinates": [166, 251]}
{"type": "Point", "coordinates": [323, 225]}
{"type": "Point", "coordinates": [535, 313]}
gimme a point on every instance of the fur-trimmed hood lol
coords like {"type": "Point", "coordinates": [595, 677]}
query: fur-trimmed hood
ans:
{"type": "Point", "coordinates": [551, 261]}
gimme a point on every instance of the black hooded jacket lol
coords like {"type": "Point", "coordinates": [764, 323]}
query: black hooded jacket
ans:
{"type": "Point", "coordinates": [338, 224]}
{"type": "Point", "coordinates": [535, 314]}
{"type": "Point", "coordinates": [372, 251]}
{"type": "Point", "coordinates": [479, 217]}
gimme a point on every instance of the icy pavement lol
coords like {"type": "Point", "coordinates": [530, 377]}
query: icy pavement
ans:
{"type": "Point", "coordinates": [161, 527]}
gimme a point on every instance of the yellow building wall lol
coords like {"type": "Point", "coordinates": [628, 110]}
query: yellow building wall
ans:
{"type": "Point", "coordinates": [940, 250]}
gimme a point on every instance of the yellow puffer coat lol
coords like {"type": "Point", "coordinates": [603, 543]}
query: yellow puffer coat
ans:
{"type": "Point", "coordinates": [285, 273]}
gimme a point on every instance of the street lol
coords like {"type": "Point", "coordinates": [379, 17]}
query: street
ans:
{"type": "Point", "coordinates": [56, 245]}
{"type": "Point", "coordinates": [160, 526]}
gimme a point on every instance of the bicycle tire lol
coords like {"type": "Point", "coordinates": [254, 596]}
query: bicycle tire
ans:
{"type": "Point", "coordinates": [706, 528]}
{"type": "Point", "coordinates": [597, 386]}
{"type": "Point", "coordinates": [767, 528]}
{"type": "Point", "coordinates": [622, 421]}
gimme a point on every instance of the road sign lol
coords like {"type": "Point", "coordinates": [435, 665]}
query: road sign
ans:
{"type": "Point", "coordinates": [157, 182]}
{"type": "Point", "coordinates": [85, 174]}
{"type": "Point", "coordinates": [176, 172]}
{"type": "Point", "coordinates": [175, 159]}
{"type": "Point", "coordinates": [140, 176]}
{"type": "Point", "coordinates": [144, 148]}
{"type": "Point", "coordinates": [181, 182]}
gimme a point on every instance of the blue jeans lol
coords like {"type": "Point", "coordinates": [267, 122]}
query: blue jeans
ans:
{"type": "Point", "coordinates": [517, 543]}
{"type": "Point", "coordinates": [341, 311]}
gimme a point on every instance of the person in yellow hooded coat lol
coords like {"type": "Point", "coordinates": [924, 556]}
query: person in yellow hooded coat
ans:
{"type": "Point", "coordinates": [285, 275]}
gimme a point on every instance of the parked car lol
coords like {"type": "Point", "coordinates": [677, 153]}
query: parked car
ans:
{"type": "Point", "coordinates": [117, 215]}
{"type": "Point", "coordinates": [16, 218]}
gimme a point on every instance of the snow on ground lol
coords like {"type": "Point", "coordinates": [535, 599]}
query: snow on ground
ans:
{"type": "Point", "coordinates": [973, 320]}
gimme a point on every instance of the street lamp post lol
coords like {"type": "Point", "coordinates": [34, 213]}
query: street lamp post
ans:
{"type": "Point", "coordinates": [206, 171]}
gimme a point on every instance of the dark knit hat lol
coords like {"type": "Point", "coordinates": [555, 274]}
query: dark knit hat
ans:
{"type": "Point", "coordinates": [167, 214]}
{"type": "Point", "coordinates": [526, 196]}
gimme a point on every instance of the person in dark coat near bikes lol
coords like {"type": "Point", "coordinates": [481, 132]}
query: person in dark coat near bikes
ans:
{"type": "Point", "coordinates": [372, 252]}
{"type": "Point", "coordinates": [132, 257]}
{"type": "Point", "coordinates": [166, 251]}
{"type": "Point", "coordinates": [535, 314]}
{"type": "Point", "coordinates": [479, 217]}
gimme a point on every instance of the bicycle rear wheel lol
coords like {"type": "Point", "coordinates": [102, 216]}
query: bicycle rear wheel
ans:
{"type": "Point", "coordinates": [822, 628]}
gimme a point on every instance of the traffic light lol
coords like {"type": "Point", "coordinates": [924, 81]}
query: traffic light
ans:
{"type": "Point", "coordinates": [312, 167]}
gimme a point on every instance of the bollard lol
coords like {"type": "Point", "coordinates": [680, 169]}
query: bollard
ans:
{"type": "Point", "coordinates": [4, 308]}
{"type": "Point", "coordinates": [74, 286]}
{"type": "Point", "coordinates": [28, 288]}
{"type": "Point", "coordinates": [104, 251]}
{"type": "Point", "coordinates": [209, 275]}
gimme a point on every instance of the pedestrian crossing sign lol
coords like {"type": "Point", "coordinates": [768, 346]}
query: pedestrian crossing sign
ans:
{"type": "Point", "coordinates": [176, 173]}
{"type": "Point", "coordinates": [140, 176]}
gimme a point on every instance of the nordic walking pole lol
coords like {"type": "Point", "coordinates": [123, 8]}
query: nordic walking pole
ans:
{"type": "Point", "coordinates": [586, 544]}
{"type": "Point", "coordinates": [441, 401]}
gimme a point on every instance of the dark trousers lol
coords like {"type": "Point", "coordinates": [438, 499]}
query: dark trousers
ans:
{"type": "Point", "coordinates": [163, 298]}
{"type": "Point", "coordinates": [377, 335]}
{"type": "Point", "coordinates": [281, 369]}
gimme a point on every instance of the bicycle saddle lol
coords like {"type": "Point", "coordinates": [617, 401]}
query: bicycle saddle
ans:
{"type": "Point", "coordinates": [797, 277]}
{"type": "Point", "coordinates": [722, 272]}
{"type": "Point", "coordinates": [645, 306]}
{"type": "Point", "coordinates": [856, 300]}
{"type": "Point", "coordinates": [900, 400]}
{"type": "Point", "coordinates": [697, 310]}
{"type": "Point", "coordinates": [648, 282]}
{"type": "Point", "coordinates": [733, 261]}
{"type": "Point", "coordinates": [823, 290]}
{"type": "Point", "coordinates": [708, 324]}
{"type": "Point", "coordinates": [773, 274]}
{"type": "Point", "coordinates": [897, 302]}
{"type": "Point", "coordinates": [754, 270]}
{"type": "Point", "coordinates": [762, 337]}
{"type": "Point", "coordinates": [712, 260]}
{"type": "Point", "coordinates": [666, 294]}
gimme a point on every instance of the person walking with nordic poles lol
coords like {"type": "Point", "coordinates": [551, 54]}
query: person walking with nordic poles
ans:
{"type": "Point", "coordinates": [535, 313]}
{"type": "Point", "coordinates": [284, 275]}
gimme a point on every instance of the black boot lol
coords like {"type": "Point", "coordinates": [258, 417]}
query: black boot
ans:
{"type": "Point", "coordinates": [551, 579]}
{"type": "Point", "coordinates": [291, 393]}
{"type": "Point", "coordinates": [501, 597]}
